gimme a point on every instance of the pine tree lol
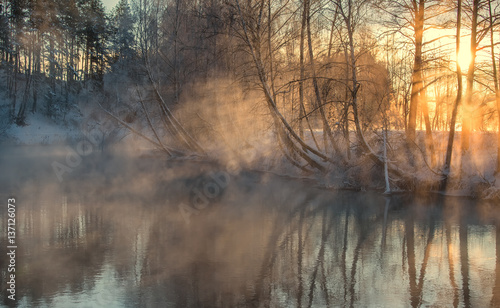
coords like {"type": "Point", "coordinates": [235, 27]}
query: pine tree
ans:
{"type": "Point", "coordinates": [123, 41]}
{"type": "Point", "coordinates": [93, 32]}
{"type": "Point", "coordinates": [4, 33]}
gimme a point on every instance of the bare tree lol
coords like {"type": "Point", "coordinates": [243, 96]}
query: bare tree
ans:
{"type": "Point", "coordinates": [468, 107]}
{"type": "Point", "coordinates": [481, 24]}
{"type": "Point", "coordinates": [493, 19]}
{"type": "Point", "coordinates": [319, 103]}
{"type": "Point", "coordinates": [451, 136]}
{"type": "Point", "coordinates": [252, 35]}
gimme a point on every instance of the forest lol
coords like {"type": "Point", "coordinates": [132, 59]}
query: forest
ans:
{"type": "Point", "coordinates": [392, 95]}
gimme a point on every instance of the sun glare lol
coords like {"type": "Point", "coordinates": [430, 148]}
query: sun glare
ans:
{"type": "Point", "coordinates": [464, 58]}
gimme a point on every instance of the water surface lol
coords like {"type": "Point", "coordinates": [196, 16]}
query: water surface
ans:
{"type": "Point", "coordinates": [127, 231]}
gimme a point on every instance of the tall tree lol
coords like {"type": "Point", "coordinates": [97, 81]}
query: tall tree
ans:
{"type": "Point", "coordinates": [451, 136]}
{"type": "Point", "coordinates": [412, 18]}
{"type": "Point", "coordinates": [480, 25]}
{"type": "Point", "coordinates": [17, 22]}
{"type": "Point", "coordinates": [418, 12]}
{"type": "Point", "coordinates": [327, 131]}
{"type": "Point", "coordinates": [351, 13]}
{"type": "Point", "coordinates": [94, 35]}
{"type": "Point", "coordinates": [4, 32]}
{"type": "Point", "coordinates": [492, 23]}
{"type": "Point", "coordinates": [468, 114]}
{"type": "Point", "coordinates": [70, 21]}
{"type": "Point", "coordinates": [252, 35]}
{"type": "Point", "coordinates": [123, 40]}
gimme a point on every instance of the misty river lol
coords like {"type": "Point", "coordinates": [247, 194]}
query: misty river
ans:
{"type": "Point", "coordinates": [123, 230]}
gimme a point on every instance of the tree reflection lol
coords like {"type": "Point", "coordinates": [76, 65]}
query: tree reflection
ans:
{"type": "Point", "coordinates": [464, 263]}
{"type": "Point", "coordinates": [451, 263]}
{"type": "Point", "coordinates": [304, 248]}
{"type": "Point", "coordinates": [344, 252]}
{"type": "Point", "coordinates": [495, 300]}
{"type": "Point", "coordinates": [320, 259]}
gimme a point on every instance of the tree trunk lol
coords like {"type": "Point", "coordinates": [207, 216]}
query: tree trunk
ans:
{"type": "Point", "coordinates": [468, 116]}
{"type": "Point", "coordinates": [302, 148]}
{"type": "Point", "coordinates": [52, 64]}
{"type": "Point", "coordinates": [347, 105]}
{"type": "Point", "coordinates": [429, 140]}
{"type": "Point", "coordinates": [354, 78]}
{"type": "Point", "coordinates": [36, 70]}
{"type": "Point", "coordinates": [497, 171]}
{"type": "Point", "coordinates": [319, 102]}
{"type": "Point", "coordinates": [386, 169]}
{"type": "Point", "coordinates": [451, 136]}
{"type": "Point", "coordinates": [416, 79]}
{"type": "Point", "coordinates": [347, 16]}
{"type": "Point", "coordinates": [495, 80]}
{"type": "Point", "coordinates": [302, 112]}
{"type": "Point", "coordinates": [14, 87]}
{"type": "Point", "coordinates": [302, 109]}
{"type": "Point", "coordinates": [21, 115]}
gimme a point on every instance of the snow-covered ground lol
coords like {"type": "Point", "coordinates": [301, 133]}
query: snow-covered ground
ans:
{"type": "Point", "coordinates": [41, 130]}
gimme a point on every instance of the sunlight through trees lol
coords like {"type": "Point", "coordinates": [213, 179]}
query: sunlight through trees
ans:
{"type": "Point", "coordinates": [324, 81]}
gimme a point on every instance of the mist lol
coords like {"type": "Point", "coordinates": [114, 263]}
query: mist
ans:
{"type": "Point", "coordinates": [249, 153]}
{"type": "Point", "coordinates": [123, 230]}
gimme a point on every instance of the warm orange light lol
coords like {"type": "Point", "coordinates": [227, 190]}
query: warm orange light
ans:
{"type": "Point", "coordinates": [464, 58]}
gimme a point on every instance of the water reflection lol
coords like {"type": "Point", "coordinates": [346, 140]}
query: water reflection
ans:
{"type": "Point", "coordinates": [119, 241]}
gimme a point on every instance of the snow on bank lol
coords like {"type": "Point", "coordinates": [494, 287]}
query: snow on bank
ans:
{"type": "Point", "coordinates": [41, 130]}
{"type": "Point", "coordinates": [472, 176]}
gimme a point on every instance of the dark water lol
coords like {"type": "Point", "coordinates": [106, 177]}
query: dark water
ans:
{"type": "Point", "coordinates": [127, 233]}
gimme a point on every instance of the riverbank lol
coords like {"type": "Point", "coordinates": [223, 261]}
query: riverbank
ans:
{"type": "Point", "coordinates": [472, 174]}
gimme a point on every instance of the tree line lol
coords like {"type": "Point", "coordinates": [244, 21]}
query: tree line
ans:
{"type": "Point", "coordinates": [340, 80]}
{"type": "Point", "coordinates": [50, 49]}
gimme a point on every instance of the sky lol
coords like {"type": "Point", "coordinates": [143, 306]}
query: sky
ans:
{"type": "Point", "coordinates": [109, 4]}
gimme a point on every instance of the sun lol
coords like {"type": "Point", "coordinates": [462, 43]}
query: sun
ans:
{"type": "Point", "coordinates": [464, 58]}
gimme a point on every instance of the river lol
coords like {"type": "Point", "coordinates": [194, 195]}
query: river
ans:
{"type": "Point", "coordinates": [122, 230]}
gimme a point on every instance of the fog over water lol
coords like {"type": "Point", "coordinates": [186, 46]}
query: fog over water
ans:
{"type": "Point", "coordinates": [123, 230]}
{"type": "Point", "coordinates": [216, 153]}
